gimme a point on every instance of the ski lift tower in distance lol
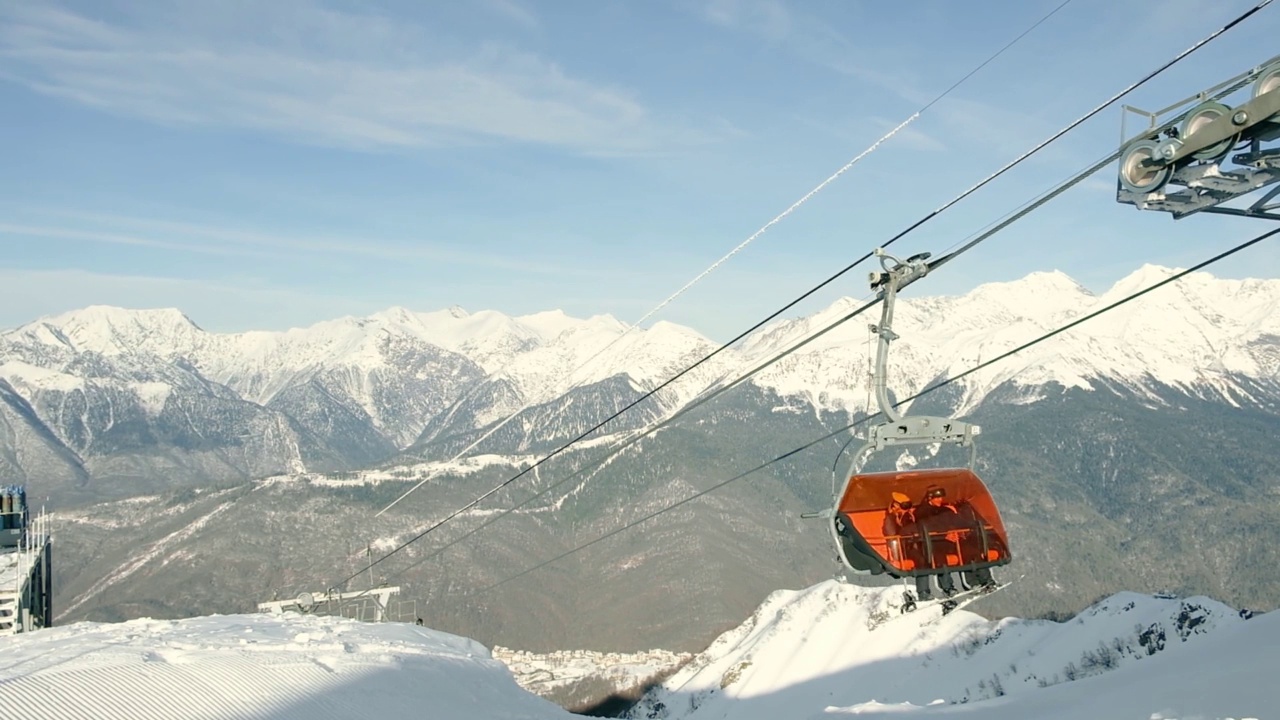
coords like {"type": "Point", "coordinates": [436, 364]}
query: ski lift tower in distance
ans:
{"type": "Point", "coordinates": [971, 538]}
{"type": "Point", "coordinates": [1188, 166]}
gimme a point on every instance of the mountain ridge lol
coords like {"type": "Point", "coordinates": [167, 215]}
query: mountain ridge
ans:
{"type": "Point", "coordinates": [359, 391]}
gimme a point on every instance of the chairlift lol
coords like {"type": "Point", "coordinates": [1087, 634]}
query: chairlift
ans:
{"type": "Point", "coordinates": [959, 529]}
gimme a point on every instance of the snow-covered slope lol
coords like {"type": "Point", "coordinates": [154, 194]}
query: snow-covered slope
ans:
{"type": "Point", "coordinates": [836, 649]}
{"type": "Point", "coordinates": [828, 651]}
{"type": "Point", "coordinates": [256, 666]}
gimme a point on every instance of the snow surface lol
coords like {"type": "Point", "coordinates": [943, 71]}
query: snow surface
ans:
{"type": "Point", "coordinates": [256, 666]}
{"type": "Point", "coordinates": [26, 378]}
{"type": "Point", "coordinates": [832, 650]}
{"type": "Point", "coordinates": [837, 649]}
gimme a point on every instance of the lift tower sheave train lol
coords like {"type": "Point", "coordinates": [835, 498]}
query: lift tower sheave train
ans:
{"type": "Point", "coordinates": [1188, 167]}
{"type": "Point", "coordinates": [883, 522]}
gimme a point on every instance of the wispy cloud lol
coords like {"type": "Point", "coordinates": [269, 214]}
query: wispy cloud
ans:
{"type": "Point", "coordinates": [808, 37]}
{"type": "Point", "coordinates": [514, 11]}
{"type": "Point", "coordinates": [322, 77]}
{"type": "Point", "coordinates": [815, 40]}
{"type": "Point", "coordinates": [211, 240]}
{"type": "Point", "coordinates": [769, 19]}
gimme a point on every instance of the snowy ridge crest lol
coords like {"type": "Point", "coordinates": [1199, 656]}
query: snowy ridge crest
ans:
{"type": "Point", "coordinates": [1200, 331]}
{"type": "Point", "coordinates": [850, 649]}
{"type": "Point", "coordinates": [1202, 334]}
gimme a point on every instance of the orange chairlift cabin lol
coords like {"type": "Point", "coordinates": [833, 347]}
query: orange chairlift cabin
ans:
{"type": "Point", "coordinates": [962, 534]}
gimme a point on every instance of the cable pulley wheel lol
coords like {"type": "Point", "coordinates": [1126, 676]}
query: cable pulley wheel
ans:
{"type": "Point", "coordinates": [1200, 116]}
{"type": "Point", "coordinates": [1136, 176]}
{"type": "Point", "coordinates": [1268, 80]}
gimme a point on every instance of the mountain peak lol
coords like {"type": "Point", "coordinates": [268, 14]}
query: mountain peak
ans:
{"type": "Point", "coordinates": [114, 330]}
{"type": "Point", "coordinates": [1034, 284]}
{"type": "Point", "coordinates": [549, 323]}
{"type": "Point", "coordinates": [118, 315]}
{"type": "Point", "coordinates": [1143, 277]}
{"type": "Point", "coordinates": [395, 314]}
{"type": "Point", "coordinates": [1055, 279]}
{"type": "Point", "coordinates": [1041, 294]}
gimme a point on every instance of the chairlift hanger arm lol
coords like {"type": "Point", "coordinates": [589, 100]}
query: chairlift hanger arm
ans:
{"type": "Point", "coordinates": [896, 275]}
{"type": "Point", "coordinates": [900, 429]}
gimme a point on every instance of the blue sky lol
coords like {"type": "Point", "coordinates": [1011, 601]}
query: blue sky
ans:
{"type": "Point", "coordinates": [262, 165]}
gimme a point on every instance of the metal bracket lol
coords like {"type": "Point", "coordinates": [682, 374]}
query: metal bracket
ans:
{"type": "Point", "coordinates": [922, 430]}
{"type": "Point", "coordinates": [1241, 119]}
{"type": "Point", "coordinates": [1186, 172]}
{"type": "Point", "coordinates": [1206, 187]}
{"type": "Point", "coordinates": [916, 430]}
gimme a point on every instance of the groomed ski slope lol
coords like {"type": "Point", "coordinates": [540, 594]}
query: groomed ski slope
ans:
{"type": "Point", "coordinates": [836, 650]}
{"type": "Point", "coordinates": [257, 666]}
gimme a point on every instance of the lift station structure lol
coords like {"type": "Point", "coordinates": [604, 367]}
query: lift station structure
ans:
{"type": "Point", "coordinates": [26, 572]}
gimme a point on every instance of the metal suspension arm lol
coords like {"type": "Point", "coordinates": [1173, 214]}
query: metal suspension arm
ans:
{"type": "Point", "coordinates": [897, 274]}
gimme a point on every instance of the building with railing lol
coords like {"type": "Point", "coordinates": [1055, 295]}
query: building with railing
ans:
{"type": "Point", "coordinates": [26, 573]}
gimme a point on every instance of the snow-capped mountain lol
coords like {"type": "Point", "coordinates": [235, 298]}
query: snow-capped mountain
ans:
{"type": "Point", "coordinates": [147, 395]}
{"type": "Point", "coordinates": [837, 649]}
{"type": "Point", "coordinates": [1136, 451]}
{"type": "Point", "coordinates": [1204, 335]}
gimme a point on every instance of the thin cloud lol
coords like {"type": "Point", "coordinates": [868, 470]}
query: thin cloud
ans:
{"type": "Point", "coordinates": [768, 19]}
{"type": "Point", "coordinates": [514, 11]}
{"type": "Point", "coordinates": [209, 240]}
{"type": "Point", "coordinates": [815, 41]}
{"type": "Point", "coordinates": [353, 81]}
{"type": "Point", "coordinates": [808, 37]}
{"type": "Point", "coordinates": [13, 231]}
